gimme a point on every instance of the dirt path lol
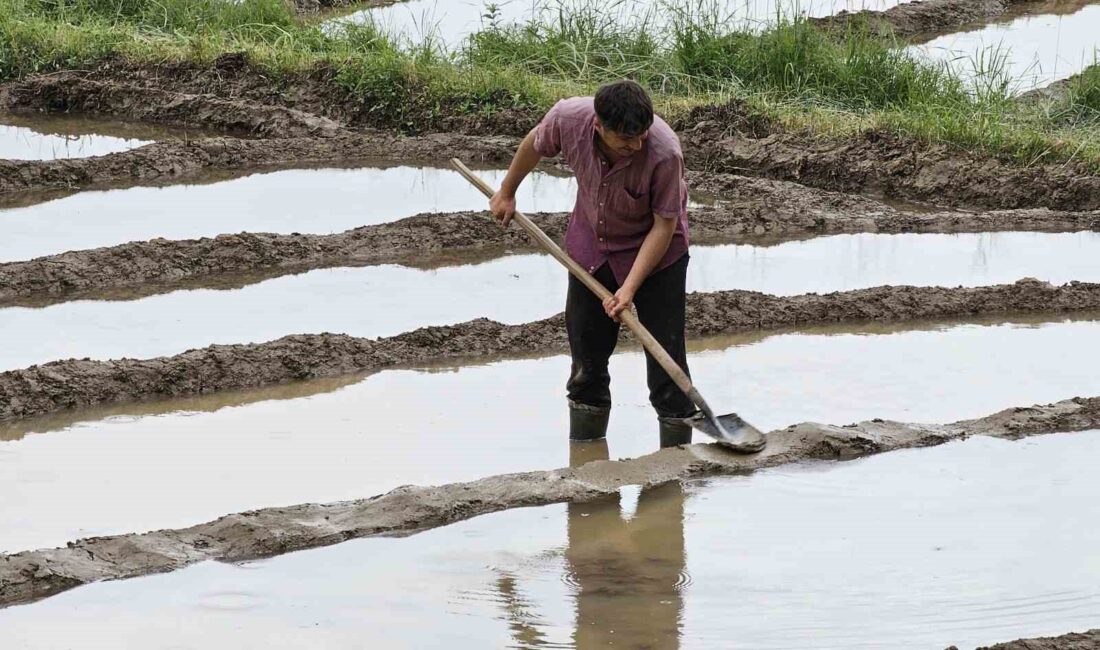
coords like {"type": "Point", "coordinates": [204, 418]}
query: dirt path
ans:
{"type": "Point", "coordinates": [720, 139]}
{"type": "Point", "coordinates": [751, 210]}
{"type": "Point", "coordinates": [32, 575]}
{"type": "Point", "coordinates": [61, 385]}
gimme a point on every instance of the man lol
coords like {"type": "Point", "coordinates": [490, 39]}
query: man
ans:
{"type": "Point", "coordinates": [629, 229]}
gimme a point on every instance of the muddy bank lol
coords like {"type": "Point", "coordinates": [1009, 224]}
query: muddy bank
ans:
{"type": "Point", "coordinates": [32, 575]}
{"type": "Point", "coordinates": [75, 92]}
{"type": "Point", "coordinates": [61, 385]}
{"type": "Point", "coordinates": [882, 164]}
{"type": "Point", "coordinates": [922, 16]}
{"type": "Point", "coordinates": [1074, 641]}
{"type": "Point", "coordinates": [751, 211]}
{"type": "Point", "coordinates": [173, 160]}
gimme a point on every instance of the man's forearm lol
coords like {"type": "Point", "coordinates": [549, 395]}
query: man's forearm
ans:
{"type": "Point", "coordinates": [654, 247]}
{"type": "Point", "coordinates": [525, 160]}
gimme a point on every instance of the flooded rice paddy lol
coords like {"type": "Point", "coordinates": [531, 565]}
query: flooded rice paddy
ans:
{"type": "Point", "coordinates": [54, 137]}
{"type": "Point", "coordinates": [450, 22]}
{"type": "Point", "coordinates": [967, 543]}
{"type": "Point", "coordinates": [386, 300]}
{"type": "Point", "coordinates": [1032, 50]}
{"type": "Point", "coordinates": [287, 201]}
{"type": "Point", "coordinates": [174, 464]}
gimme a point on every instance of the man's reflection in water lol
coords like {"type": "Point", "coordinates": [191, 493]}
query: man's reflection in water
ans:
{"type": "Point", "coordinates": [627, 572]}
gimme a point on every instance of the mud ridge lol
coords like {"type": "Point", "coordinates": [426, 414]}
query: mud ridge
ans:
{"type": "Point", "coordinates": [60, 385]}
{"type": "Point", "coordinates": [881, 164]}
{"type": "Point", "coordinates": [751, 210]}
{"type": "Point", "coordinates": [920, 17]}
{"type": "Point", "coordinates": [33, 575]}
{"type": "Point", "coordinates": [1089, 640]}
{"type": "Point", "coordinates": [177, 159]}
{"type": "Point", "coordinates": [74, 92]}
{"type": "Point", "coordinates": [310, 7]}
{"type": "Point", "coordinates": [874, 162]}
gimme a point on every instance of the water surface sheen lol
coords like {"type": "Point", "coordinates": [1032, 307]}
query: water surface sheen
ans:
{"type": "Point", "coordinates": [969, 543]}
{"type": "Point", "coordinates": [386, 300]}
{"type": "Point", "coordinates": [288, 201]}
{"type": "Point", "coordinates": [179, 463]}
{"type": "Point", "coordinates": [1036, 49]}
{"type": "Point", "coordinates": [53, 139]}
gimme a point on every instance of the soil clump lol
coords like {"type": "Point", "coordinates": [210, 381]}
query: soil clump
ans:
{"type": "Point", "coordinates": [60, 385]}
{"type": "Point", "coordinates": [32, 575]}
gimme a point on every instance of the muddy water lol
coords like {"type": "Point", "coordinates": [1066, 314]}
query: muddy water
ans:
{"type": "Point", "coordinates": [175, 468]}
{"type": "Point", "coordinates": [299, 200]}
{"type": "Point", "coordinates": [973, 542]}
{"type": "Point", "coordinates": [449, 23]}
{"type": "Point", "coordinates": [1036, 49]}
{"type": "Point", "coordinates": [386, 300]}
{"type": "Point", "coordinates": [50, 137]}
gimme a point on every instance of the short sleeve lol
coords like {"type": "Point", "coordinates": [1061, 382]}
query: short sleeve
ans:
{"type": "Point", "coordinates": [548, 133]}
{"type": "Point", "coordinates": [668, 190]}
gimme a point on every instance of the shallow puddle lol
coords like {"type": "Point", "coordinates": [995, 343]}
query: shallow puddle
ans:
{"type": "Point", "coordinates": [1036, 49]}
{"type": "Point", "coordinates": [176, 468]}
{"type": "Point", "coordinates": [969, 543]}
{"type": "Point", "coordinates": [52, 138]}
{"type": "Point", "coordinates": [385, 300]}
{"type": "Point", "coordinates": [288, 201]}
{"type": "Point", "coordinates": [450, 22]}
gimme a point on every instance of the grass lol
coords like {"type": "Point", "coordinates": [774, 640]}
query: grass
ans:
{"type": "Point", "coordinates": [793, 73]}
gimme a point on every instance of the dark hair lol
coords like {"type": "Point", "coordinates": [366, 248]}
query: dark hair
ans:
{"type": "Point", "coordinates": [624, 107]}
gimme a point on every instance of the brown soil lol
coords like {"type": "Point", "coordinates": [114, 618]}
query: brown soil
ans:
{"type": "Point", "coordinates": [751, 209]}
{"type": "Point", "coordinates": [32, 575]}
{"type": "Point", "coordinates": [60, 385]}
{"type": "Point", "coordinates": [1074, 641]}
{"type": "Point", "coordinates": [724, 139]}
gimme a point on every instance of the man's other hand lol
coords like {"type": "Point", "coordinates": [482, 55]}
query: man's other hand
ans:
{"type": "Point", "coordinates": [503, 207]}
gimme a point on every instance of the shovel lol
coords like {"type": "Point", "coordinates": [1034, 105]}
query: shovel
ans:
{"type": "Point", "coordinates": [730, 430]}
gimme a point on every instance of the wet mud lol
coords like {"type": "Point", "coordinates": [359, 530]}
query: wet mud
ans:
{"type": "Point", "coordinates": [69, 384]}
{"type": "Point", "coordinates": [751, 210]}
{"type": "Point", "coordinates": [33, 575]}
{"type": "Point", "coordinates": [1089, 640]}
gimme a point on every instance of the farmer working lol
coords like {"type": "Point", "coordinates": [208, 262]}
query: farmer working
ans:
{"type": "Point", "coordinates": [629, 229]}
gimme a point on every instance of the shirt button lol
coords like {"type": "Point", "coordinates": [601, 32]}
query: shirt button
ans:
{"type": "Point", "coordinates": [601, 238]}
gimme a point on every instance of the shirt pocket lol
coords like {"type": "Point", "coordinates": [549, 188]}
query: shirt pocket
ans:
{"type": "Point", "coordinates": [630, 204]}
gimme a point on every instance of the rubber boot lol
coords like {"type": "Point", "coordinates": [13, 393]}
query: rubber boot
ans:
{"type": "Point", "coordinates": [587, 422]}
{"type": "Point", "coordinates": [674, 432]}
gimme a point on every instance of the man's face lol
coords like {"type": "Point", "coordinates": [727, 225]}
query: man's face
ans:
{"type": "Point", "coordinates": [621, 145]}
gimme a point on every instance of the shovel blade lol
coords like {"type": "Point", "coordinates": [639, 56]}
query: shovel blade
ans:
{"type": "Point", "coordinates": [731, 432]}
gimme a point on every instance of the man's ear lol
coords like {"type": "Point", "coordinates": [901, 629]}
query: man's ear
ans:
{"type": "Point", "coordinates": [597, 124]}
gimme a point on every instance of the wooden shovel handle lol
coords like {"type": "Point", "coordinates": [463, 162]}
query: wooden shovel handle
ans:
{"type": "Point", "coordinates": [626, 316]}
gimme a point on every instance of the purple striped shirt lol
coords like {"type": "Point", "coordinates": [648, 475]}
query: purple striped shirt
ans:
{"type": "Point", "coordinates": [616, 203]}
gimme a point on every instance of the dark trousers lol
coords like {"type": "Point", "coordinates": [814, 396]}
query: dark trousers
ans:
{"type": "Point", "coordinates": [593, 335]}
